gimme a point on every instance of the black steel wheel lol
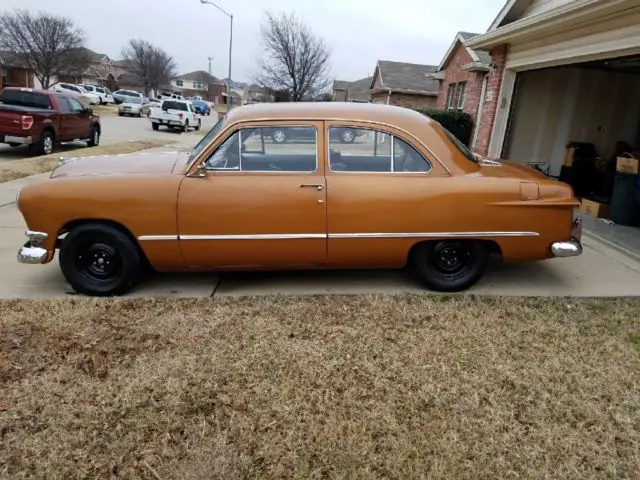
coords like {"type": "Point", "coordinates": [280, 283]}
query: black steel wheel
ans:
{"type": "Point", "coordinates": [99, 259]}
{"type": "Point", "coordinates": [451, 265]}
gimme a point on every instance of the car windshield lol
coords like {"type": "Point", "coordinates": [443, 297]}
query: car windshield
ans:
{"type": "Point", "coordinates": [134, 100]}
{"type": "Point", "coordinates": [462, 148]}
{"type": "Point", "coordinates": [206, 140]}
{"type": "Point", "coordinates": [25, 98]}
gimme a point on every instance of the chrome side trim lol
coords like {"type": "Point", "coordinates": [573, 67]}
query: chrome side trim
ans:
{"type": "Point", "coordinates": [149, 238]}
{"type": "Point", "coordinates": [290, 236]}
{"type": "Point", "coordinates": [434, 235]}
{"type": "Point", "coordinates": [302, 236]}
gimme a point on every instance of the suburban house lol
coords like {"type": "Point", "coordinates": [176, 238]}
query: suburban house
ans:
{"type": "Point", "coordinates": [562, 71]}
{"type": "Point", "coordinates": [409, 85]}
{"type": "Point", "coordinates": [100, 70]}
{"type": "Point", "coordinates": [13, 74]}
{"type": "Point", "coordinates": [258, 94]}
{"type": "Point", "coordinates": [357, 91]}
{"type": "Point", "coordinates": [200, 83]}
{"type": "Point", "coordinates": [463, 76]}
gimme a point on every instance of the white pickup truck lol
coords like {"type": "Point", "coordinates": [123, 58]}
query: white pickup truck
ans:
{"type": "Point", "coordinates": [175, 114]}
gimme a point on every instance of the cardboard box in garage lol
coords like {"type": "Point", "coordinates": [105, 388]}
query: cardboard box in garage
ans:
{"type": "Point", "coordinates": [594, 209]}
{"type": "Point", "coordinates": [627, 165]}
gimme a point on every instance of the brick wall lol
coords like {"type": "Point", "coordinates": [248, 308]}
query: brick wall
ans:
{"type": "Point", "coordinates": [18, 77]}
{"type": "Point", "coordinates": [413, 101]}
{"type": "Point", "coordinates": [454, 73]}
{"type": "Point", "coordinates": [485, 129]}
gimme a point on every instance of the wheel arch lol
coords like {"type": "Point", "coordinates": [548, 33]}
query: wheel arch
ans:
{"type": "Point", "coordinates": [67, 227]}
{"type": "Point", "coordinates": [494, 247]}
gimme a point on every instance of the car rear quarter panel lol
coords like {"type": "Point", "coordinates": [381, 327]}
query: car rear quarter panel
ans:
{"type": "Point", "coordinates": [142, 204]}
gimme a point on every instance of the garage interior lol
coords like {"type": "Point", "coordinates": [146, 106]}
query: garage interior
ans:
{"type": "Point", "coordinates": [581, 123]}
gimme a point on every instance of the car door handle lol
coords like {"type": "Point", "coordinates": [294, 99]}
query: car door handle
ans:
{"type": "Point", "coordinates": [319, 187]}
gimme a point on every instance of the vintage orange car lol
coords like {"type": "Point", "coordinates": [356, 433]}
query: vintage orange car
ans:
{"type": "Point", "coordinates": [282, 186]}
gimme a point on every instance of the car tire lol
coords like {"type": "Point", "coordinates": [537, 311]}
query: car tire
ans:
{"type": "Point", "coordinates": [155, 126]}
{"type": "Point", "coordinates": [94, 139]}
{"type": "Point", "coordinates": [450, 265]}
{"type": "Point", "coordinates": [45, 146]}
{"type": "Point", "coordinates": [279, 136]}
{"type": "Point", "coordinates": [197, 127]}
{"type": "Point", "coordinates": [185, 128]}
{"type": "Point", "coordinates": [348, 136]}
{"type": "Point", "coordinates": [120, 114]}
{"type": "Point", "coordinates": [14, 145]}
{"type": "Point", "coordinates": [99, 260]}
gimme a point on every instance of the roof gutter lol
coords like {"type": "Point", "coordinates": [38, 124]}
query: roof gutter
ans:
{"type": "Point", "coordinates": [549, 22]}
{"type": "Point", "coordinates": [404, 90]}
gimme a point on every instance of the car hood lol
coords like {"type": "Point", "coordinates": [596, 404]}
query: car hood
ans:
{"type": "Point", "coordinates": [509, 169]}
{"type": "Point", "coordinates": [130, 163]}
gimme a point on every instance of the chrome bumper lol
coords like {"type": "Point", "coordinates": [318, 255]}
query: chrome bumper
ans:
{"type": "Point", "coordinates": [573, 247]}
{"type": "Point", "coordinates": [32, 252]}
{"type": "Point", "coordinates": [20, 140]}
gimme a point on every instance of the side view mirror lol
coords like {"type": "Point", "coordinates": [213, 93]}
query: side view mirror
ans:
{"type": "Point", "coordinates": [88, 111]}
{"type": "Point", "coordinates": [199, 172]}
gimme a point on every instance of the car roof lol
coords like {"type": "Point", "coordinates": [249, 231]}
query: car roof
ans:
{"type": "Point", "coordinates": [353, 111]}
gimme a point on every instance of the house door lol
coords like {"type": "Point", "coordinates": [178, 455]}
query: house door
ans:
{"type": "Point", "coordinates": [262, 202]}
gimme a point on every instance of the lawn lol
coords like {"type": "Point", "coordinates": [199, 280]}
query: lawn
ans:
{"type": "Point", "coordinates": [357, 387]}
{"type": "Point", "coordinates": [13, 169]}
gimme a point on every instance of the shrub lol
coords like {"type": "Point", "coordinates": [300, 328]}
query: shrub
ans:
{"type": "Point", "coordinates": [458, 123]}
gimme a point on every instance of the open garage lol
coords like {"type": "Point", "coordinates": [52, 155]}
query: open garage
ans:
{"type": "Point", "coordinates": [568, 99]}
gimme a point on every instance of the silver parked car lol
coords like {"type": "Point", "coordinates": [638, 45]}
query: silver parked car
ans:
{"type": "Point", "coordinates": [135, 106]}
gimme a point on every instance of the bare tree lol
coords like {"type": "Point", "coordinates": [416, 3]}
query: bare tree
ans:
{"type": "Point", "coordinates": [47, 44]}
{"type": "Point", "coordinates": [152, 65]}
{"type": "Point", "coordinates": [294, 58]}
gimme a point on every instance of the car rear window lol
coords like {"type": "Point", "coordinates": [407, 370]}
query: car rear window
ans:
{"type": "Point", "coordinates": [25, 98]}
{"type": "Point", "coordinates": [462, 148]}
{"type": "Point", "coordinates": [170, 105]}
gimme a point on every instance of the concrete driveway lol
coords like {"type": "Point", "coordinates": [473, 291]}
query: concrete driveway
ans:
{"type": "Point", "coordinates": [601, 271]}
{"type": "Point", "coordinates": [117, 129]}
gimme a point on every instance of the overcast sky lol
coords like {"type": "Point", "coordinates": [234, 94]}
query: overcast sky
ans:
{"type": "Point", "coordinates": [359, 32]}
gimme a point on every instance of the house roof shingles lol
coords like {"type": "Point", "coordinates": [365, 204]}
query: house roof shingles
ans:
{"type": "Point", "coordinates": [408, 76]}
{"type": "Point", "coordinates": [358, 90]}
{"type": "Point", "coordinates": [198, 76]}
{"type": "Point", "coordinates": [485, 57]}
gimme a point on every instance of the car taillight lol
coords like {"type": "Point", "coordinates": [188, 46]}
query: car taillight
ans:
{"type": "Point", "coordinates": [180, 116]}
{"type": "Point", "coordinates": [27, 122]}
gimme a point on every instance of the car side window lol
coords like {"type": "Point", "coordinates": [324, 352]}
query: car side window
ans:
{"type": "Point", "coordinates": [359, 150]}
{"type": "Point", "coordinates": [367, 150]}
{"type": "Point", "coordinates": [76, 106]}
{"type": "Point", "coordinates": [268, 149]}
{"type": "Point", "coordinates": [64, 105]}
{"type": "Point", "coordinates": [408, 159]}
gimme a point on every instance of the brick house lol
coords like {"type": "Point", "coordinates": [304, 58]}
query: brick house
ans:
{"type": "Point", "coordinates": [409, 85]}
{"type": "Point", "coordinates": [200, 83]}
{"type": "Point", "coordinates": [357, 91]}
{"type": "Point", "coordinates": [562, 71]}
{"type": "Point", "coordinates": [13, 74]}
{"type": "Point", "coordinates": [463, 79]}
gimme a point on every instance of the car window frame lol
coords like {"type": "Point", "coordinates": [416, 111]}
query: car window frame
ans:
{"type": "Point", "coordinates": [238, 128]}
{"type": "Point", "coordinates": [379, 129]}
{"type": "Point", "coordinates": [71, 100]}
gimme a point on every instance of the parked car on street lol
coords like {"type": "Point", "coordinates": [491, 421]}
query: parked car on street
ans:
{"type": "Point", "coordinates": [411, 195]}
{"type": "Point", "coordinates": [39, 119]}
{"type": "Point", "coordinates": [134, 106]}
{"type": "Point", "coordinates": [201, 107]}
{"type": "Point", "coordinates": [90, 97]}
{"type": "Point", "coordinates": [121, 95]}
{"type": "Point", "coordinates": [175, 114]}
{"type": "Point", "coordinates": [104, 94]}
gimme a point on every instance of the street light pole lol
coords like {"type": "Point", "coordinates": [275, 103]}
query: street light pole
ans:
{"type": "Point", "coordinates": [208, 2]}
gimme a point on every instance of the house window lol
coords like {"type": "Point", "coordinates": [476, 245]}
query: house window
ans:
{"type": "Point", "coordinates": [179, 83]}
{"type": "Point", "coordinates": [195, 84]}
{"type": "Point", "coordinates": [462, 90]}
{"type": "Point", "coordinates": [451, 97]}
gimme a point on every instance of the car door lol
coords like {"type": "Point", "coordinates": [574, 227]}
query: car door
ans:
{"type": "Point", "coordinates": [67, 119]}
{"type": "Point", "coordinates": [259, 205]}
{"type": "Point", "coordinates": [81, 120]}
{"type": "Point", "coordinates": [385, 193]}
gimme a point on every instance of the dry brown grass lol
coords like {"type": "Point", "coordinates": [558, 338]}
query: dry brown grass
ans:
{"type": "Point", "coordinates": [13, 169]}
{"type": "Point", "coordinates": [105, 109]}
{"type": "Point", "coordinates": [320, 387]}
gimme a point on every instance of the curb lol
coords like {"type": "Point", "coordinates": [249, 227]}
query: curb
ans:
{"type": "Point", "coordinates": [614, 246]}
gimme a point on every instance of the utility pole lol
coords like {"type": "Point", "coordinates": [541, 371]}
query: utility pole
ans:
{"type": "Point", "coordinates": [210, 58]}
{"type": "Point", "coordinates": [230, 15]}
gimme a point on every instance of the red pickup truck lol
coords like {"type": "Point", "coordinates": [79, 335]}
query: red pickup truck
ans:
{"type": "Point", "coordinates": [40, 119]}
